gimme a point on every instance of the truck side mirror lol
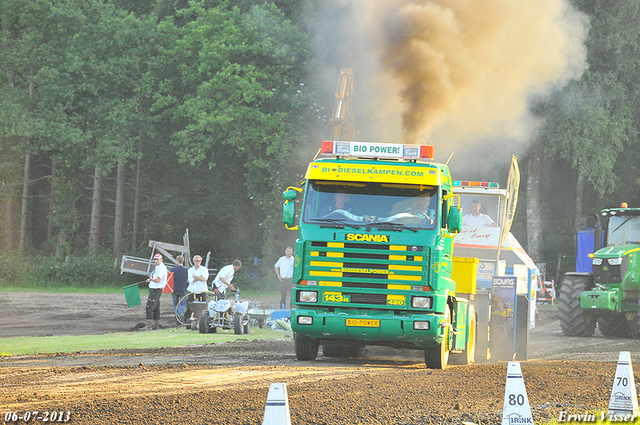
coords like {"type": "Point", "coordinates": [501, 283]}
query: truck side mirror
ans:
{"type": "Point", "coordinates": [289, 214]}
{"type": "Point", "coordinates": [453, 219]}
{"type": "Point", "coordinates": [290, 194]}
{"type": "Point", "coordinates": [289, 207]}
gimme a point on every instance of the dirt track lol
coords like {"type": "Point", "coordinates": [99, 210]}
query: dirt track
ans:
{"type": "Point", "coordinates": [228, 383]}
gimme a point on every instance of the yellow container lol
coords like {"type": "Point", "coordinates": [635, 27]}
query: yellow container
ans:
{"type": "Point", "coordinates": [464, 274]}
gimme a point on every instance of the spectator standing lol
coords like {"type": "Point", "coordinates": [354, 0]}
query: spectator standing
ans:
{"type": "Point", "coordinates": [197, 277]}
{"type": "Point", "coordinates": [180, 282]}
{"type": "Point", "coordinates": [225, 276]}
{"type": "Point", "coordinates": [157, 282]}
{"type": "Point", "coordinates": [284, 271]}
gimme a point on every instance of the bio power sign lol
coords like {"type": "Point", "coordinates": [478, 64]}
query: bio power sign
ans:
{"type": "Point", "coordinates": [379, 150]}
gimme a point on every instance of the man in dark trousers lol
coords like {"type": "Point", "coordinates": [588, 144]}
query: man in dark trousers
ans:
{"type": "Point", "coordinates": [180, 282]}
{"type": "Point", "coordinates": [157, 281]}
{"type": "Point", "coordinates": [284, 271]}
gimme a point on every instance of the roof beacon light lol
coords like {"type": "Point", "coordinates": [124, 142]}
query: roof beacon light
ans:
{"type": "Point", "coordinates": [376, 150]}
{"type": "Point", "coordinates": [492, 185]}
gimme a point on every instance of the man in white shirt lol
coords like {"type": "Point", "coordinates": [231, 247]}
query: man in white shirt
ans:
{"type": "Point", "coordinates": [225, 276]}
{"type": "Point", "coordinates": [157, 282]}
{"type": "Point", "coordinates": [284, 271]}
{"type": "Point", "coordinates": [476, 218]}
{"type": "Point", "coordinates": [197, 277]}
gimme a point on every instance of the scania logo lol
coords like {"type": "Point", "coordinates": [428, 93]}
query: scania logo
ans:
{"type": "Point", "coordinates": [367, 238]}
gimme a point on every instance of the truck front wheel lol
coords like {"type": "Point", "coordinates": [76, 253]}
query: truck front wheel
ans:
{"type": "Point", "coordinates": [437, 357]}
{"type": "Point", "coordinates": [306, 348]}
{"type": "Point", "coordinates": [574, 321]}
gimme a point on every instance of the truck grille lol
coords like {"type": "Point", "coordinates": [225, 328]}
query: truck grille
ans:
{"type": "Point", "coordinates": [377, 299]}
{"type": "Point", "coordinates": [359, 270]}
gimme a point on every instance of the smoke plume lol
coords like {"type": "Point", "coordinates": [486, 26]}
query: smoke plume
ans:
{"type": "Point", "coordinates": [455, 73]}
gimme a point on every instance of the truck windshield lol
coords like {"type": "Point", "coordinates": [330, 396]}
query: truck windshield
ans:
{"type": "Point", "coordinates": [623, 230]}
{"type": "Point", "coordinates": [413, 206]}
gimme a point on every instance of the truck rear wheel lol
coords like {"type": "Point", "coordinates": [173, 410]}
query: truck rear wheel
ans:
{"type": "Point", "coordinates": [306, 348]}
{"type": "Point", "coordinates": [574, 321]}
{"type": "Point", "coordinates": [437, 357]}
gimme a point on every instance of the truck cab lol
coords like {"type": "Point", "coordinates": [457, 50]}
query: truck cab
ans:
{"type": "Point", "coordinates": [374, 255]}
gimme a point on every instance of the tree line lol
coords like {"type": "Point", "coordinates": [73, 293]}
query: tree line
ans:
{"type": "Point", "coordinates": [120, 124]}
{"type": "Point", "coordinates": [124, 121]}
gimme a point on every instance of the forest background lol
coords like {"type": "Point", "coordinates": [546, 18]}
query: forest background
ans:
{"type": "Point", "coordinates": [124, 121]}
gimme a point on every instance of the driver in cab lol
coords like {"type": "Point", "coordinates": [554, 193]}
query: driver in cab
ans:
{"type": "Point", "coordinates": [419, 207]}
{"type": "Point", "coordinates": [341, 202]}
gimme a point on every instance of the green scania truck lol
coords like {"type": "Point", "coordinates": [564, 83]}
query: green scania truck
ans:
{"type": "Point", "coordinates": [374, 258]}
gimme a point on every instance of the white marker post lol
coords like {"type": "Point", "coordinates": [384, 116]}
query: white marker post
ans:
{"type": "Point", "coordinates": [516, 410]}
{"type": "Point", "coordinates": [276, 412]}
{"type": "Point", "coordinates": [624, 398]}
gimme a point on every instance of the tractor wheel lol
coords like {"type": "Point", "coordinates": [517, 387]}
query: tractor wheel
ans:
{"type": "Point", "coordinates": [469, 354]}
{"type": "Point", "coordinates": [237, 324]}
{"type": "Point", "coordinates": [437, 357]}
{"type": "Point", "coordinates": [306, 348]}
{"type": "Point", "coordinates": [615, 325]}
{"type": "Point", "coordinates": [573, 320]}
{"type": "Point", "coordinates": [331, 351]}
{"type": "Point", "coordinates": [203, 323]}
{"type": "Point", "coordinates": [246, 324]}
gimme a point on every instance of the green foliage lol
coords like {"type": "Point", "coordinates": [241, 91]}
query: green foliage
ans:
{"type": "Point", "coordinates": [76, 271]}
{"type": "Point", "coordinates": [13, 269]}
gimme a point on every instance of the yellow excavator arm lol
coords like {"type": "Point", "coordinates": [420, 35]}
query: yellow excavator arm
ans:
{"type": "Point", "coordinates": [342, 117]}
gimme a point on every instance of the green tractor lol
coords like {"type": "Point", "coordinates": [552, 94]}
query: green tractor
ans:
{"type": "Point", "coordinates": [607, 296]}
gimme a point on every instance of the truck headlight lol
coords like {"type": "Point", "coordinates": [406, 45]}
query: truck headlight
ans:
{"type": "Point", "coordinates": [421, 326]}
{"type": "Point", "coordinates": [421, 302]}
{"type": "Point", "coordinates": [305, 320]}
{"type": "Point", "coordinates": [308, 297]}
{"type": "Point", "coordinates": [615, 261]}
{"type": "Point", "coordinates": [596, 261]}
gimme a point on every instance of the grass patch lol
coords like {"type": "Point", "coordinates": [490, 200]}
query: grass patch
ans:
{"type": "Point", "coordinates": [172, 337]}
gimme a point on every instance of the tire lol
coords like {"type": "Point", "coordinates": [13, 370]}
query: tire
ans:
{"type": "Point", "coordinates": [246, 327]}
{"type": "Point", "coordinates": [469, 354]}
{"type": "Point", "coordinates": [331, 351]}
{"type": "Point", "coordinates": [437, 357]}
{"type": "Point", "coordinates": [616, 325]}
{"type": "Point", "coordinates": [574, 321]}
{"type": "Point", "coordinates": [203, 323]}
{"type": "Point", "coordinates": [306, 348]}
{"type": "Point", "coordinates": [237, 324]}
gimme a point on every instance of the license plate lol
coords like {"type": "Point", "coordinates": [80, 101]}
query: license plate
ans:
{"type": "Point", "coordinates": [367, 323]}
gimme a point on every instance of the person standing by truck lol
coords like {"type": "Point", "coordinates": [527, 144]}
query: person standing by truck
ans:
{"type": "Point", "coordinates": [284, 271]}
{"type": "Point", "coordinates": [157, 282]}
